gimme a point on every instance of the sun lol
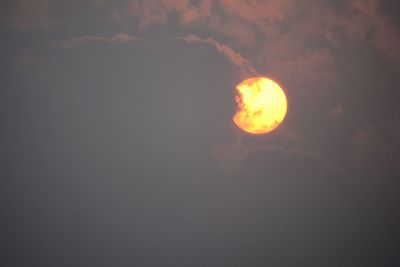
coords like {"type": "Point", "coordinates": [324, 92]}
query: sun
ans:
{"type": "Point", "coordinates": [262, 105]}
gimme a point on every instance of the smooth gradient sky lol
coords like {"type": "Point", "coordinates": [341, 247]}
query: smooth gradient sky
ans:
{"type": "Point", "coordinates": [118, 146]}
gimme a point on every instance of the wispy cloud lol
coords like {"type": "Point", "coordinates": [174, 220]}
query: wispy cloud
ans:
{"type": "Point", "coordinates": [117, 38]}
{"type": "Point", "coordinates": [244, 66]}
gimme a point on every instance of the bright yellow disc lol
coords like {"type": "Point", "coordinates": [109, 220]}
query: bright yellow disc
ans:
{"type": "Point", "coordinates": [262, 105]}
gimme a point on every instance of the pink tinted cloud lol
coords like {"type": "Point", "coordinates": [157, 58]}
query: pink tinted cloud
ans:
{"type": "Point", "coordinates": [234, 28]}
{"type": "Point", "coordinates": [236, 58]}
{"type": "Point", "coordinates": [305, 38]}
{"type": "Point", "coordinates": [157, 12]}
{"type": "Point", "coordinates": [256, 11]}
{"type": "Point", "coordinates": [150, 12]}
{"type": "Point", "coordinates": [299, 41]}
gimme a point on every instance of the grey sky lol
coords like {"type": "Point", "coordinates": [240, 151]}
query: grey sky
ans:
{"type": "Point", "coordinates": [118, 147]}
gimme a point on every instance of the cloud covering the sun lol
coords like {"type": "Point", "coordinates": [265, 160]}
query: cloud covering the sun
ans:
{"type": "Point", "coordinates": [311, 40]}
{"type": "Point", "coordinates": [311, 47]}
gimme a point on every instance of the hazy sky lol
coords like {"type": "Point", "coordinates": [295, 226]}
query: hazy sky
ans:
{"type": "Point", "coordinates": [118, 146]}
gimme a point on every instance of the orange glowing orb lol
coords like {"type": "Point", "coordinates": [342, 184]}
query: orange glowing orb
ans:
{"type": "Point", "coordinates": [262, 105]}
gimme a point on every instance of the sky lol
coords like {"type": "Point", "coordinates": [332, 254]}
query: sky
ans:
{"type": "Point", "coordinates": [118, 146]}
